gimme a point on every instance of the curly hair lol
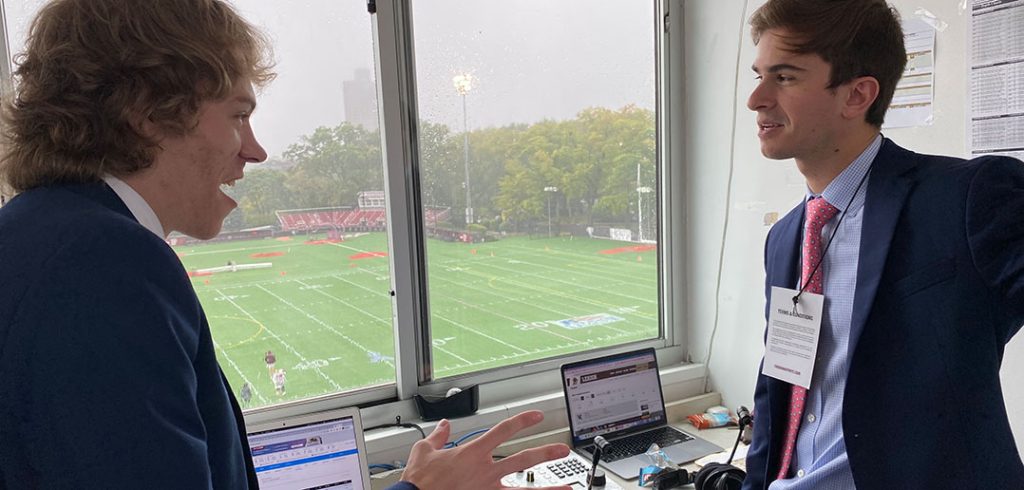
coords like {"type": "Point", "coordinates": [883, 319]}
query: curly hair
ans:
{"type": "Point", "coordinates": [857, 37]}
{"type": "Point", "coordinates": [94, 70]}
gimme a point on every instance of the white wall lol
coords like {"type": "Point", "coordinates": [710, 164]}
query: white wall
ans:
{"type": "Point", "coordinates": [721, 136]}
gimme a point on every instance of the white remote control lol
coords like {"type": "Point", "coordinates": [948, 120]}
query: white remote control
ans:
{"type": "Point", "coordinates": [570, 470]}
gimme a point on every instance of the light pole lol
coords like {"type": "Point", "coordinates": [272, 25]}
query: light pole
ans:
{"type": "Point", "coordinates": [550, 190]}
{"type": "Point", "coordinates": [640, 191]}
{"type": "Point", "coordinates": [463, 84]}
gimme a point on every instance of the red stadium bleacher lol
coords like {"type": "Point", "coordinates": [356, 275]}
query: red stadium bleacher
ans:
{"type": "Point", "coordinates": [360, 218]}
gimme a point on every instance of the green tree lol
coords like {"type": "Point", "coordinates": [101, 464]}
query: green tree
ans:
{"type": "Point", "coordinates": [333, 165]}
{"type": "Point", "coordinates": [261, 193]}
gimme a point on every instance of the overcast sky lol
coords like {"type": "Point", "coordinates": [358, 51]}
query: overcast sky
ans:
{"type": "Point", "coordinates": [531, 59]}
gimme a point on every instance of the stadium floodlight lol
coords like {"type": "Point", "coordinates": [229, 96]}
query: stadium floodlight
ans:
{"type": "Point", "coordinates": [550, 190]}
{"type": "Point", "coordinates": [463, 84]}
{"type": "Point", "coordinates": [640, 191]}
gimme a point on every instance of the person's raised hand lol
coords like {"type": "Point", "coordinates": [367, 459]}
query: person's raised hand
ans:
{"type": "Point", "coordinates": [470, 466]}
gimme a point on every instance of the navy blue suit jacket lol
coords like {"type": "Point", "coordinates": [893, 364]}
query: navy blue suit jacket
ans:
{"type": "Point", "coordinates": [108, 377]}
{"type": "Point", "coordinates": [940, 291]}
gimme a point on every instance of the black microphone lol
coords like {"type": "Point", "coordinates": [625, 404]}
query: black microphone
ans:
{"type": "Point", "coordinates": [599, 444]}
{"type": "Point", "coordinates": [743, 415]}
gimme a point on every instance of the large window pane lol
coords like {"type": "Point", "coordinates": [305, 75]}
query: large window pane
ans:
{"type": "Point", "coordinates": [19, 15]}
{"type": "Point", "coordinates": [301, 269]}
{"type": "Point", "coordinates": [538, 177]}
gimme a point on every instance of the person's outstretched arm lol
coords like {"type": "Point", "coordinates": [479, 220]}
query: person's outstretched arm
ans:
{"type": "Point", "coordinates": [470, 466]}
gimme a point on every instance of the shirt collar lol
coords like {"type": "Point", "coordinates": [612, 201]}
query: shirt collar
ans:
{"type": "Point", "coordinates": [840, 192]}
{"type": "Point", "coordinates": [143, 213]}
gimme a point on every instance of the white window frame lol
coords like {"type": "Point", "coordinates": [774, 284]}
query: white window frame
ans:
{"type": "Point", "coordinates": [526, 385]}
{"type": "Point", "coordinates": [397, 96]}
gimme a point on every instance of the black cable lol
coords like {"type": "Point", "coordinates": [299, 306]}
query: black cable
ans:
{"type": "Point", "coordinates": [593, 467]}
{"type": "Point", "coordinates": [734, 446]}
{"type": "Point", "coordinates": [743, 419]}
{"type": "Point", "coordinates": [398, 423]}
{"type": "Point", "coordinates": [842, 215]}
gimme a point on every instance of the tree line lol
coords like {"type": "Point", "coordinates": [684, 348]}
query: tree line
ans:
{"type": "Point", "coordinates": [582, 170]}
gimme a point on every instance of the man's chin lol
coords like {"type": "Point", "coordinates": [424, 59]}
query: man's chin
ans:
{"type": "Point", "coordinates": [773, 153]}
{"type": "Point", "coordinates": [205, 232]}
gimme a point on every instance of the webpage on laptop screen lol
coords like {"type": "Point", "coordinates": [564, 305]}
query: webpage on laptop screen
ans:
{"type": "Point", "coordinates": [614, 395]}
{"type": "Point", "coordinates": [321, 455]}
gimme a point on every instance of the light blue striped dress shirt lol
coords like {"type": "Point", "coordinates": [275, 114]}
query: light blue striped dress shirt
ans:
{"type": "Point", "coordinates": [819, 459]}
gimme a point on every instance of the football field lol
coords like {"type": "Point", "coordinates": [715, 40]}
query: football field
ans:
{"type": "Point", "coordinates": [324, 307]}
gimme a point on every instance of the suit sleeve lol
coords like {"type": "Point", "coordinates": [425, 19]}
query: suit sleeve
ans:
{"type": "Point", "coordinates": [995, 226]}
{"type": "Point", "coordinates": [402, 485]}
{"type": "Point", "coordinates": [106, 340]}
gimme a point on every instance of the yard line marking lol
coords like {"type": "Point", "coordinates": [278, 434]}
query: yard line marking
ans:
{"type": "Point", "coordinates": [245, 378]}
{"type": "Point", "coordinates": [536, 352]}
{"type": "Point", "coordinates": [370, 271]}
{"type": "Point", "coordinates": [279, 339]}
{"type": "Point", "coordinates": [354, 249]}
{"type": "Point", "coordinates": [553, 292]}
{"type": "Point", "coordinates": [233, 250]}
{"type": "Point", "coordinates": [516, 320]}
{"type": "Point", "coordinates": [375, 292]}
{"type": "Point", "coordinates": [385, 321]}
{"type": "Point", "coordinates": [570, 283]}
{"type": "Point", "coordinates": [322, 323]}
{"type": "Point", "coordinates": [591, 267]}
{"type": "Point", "coordinates": [532, 286]}
{"type": "Point", "coordinates": [450, 353]}
{"type": "Point", "coordinates": [457, 324]}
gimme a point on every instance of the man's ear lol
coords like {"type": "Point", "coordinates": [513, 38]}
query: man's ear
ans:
{"type": "Point", "coordinates": [145, 127]}
{"type": "Point", "coordinates": [862, 93]}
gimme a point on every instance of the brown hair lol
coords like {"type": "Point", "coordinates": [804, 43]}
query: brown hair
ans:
{"type": "Point", "coordinates": [856, 37]}
{"type": "Point", "coordinates": [93, 70]}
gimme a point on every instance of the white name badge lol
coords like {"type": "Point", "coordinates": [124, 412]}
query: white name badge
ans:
{"type": "Point", "coordinates": [793, 330]}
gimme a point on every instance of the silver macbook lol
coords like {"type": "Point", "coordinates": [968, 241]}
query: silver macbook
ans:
{"type": "Point", "coordinates": [317, 451]}
{"type": "Point", "coordinates": [619, 397]}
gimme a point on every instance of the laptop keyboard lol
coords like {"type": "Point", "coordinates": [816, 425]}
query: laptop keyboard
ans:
{"type": "Point", "coordinates": [638, 443]}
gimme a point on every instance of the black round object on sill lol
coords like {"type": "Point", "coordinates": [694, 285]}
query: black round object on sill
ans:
{"type": "Point", "coordinates": [461, 404]}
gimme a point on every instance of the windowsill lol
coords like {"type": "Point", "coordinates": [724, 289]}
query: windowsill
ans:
{"type": "Point", "coordinates": [677, 412]}
{"type": "Point", "coordinates": [681, 385]}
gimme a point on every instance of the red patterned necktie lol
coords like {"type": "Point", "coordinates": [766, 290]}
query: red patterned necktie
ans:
{"type": "Point", "coordinates": [818, 212]}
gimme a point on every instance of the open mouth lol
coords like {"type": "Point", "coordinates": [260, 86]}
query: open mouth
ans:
{"type": "Point", "coordinates": [229, 183]}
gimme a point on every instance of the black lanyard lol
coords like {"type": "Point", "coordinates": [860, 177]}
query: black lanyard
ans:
{"type": "Point", "coordinates": [796, 299]}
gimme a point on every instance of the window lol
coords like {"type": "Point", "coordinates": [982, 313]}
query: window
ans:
{"type": "Point", "coordinates": [18, 16]}
{"type": "Point", "coordinates": [538, 178]}
{"type": "Point", "coordinates": [517, 220]}
{"type": "Point", "coordinates": [299, 280]}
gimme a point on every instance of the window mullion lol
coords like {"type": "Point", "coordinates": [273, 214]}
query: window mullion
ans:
{"type": "Point", "coordinates": [672, 178]}
{"type": "Point", "coordinates": [392, 28]}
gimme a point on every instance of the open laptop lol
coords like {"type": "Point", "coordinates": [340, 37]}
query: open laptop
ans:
{"type": "Point", "coordinates": [324, 450]}
{"type": "Point", "coordinates": [619, 397]}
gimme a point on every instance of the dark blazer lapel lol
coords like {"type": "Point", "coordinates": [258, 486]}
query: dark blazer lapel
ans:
{"type": "Point", "coordinates": [785, 243]}
{"type": "Point", "coordinates": [888, 186]}
{"type": "Point", "coordinates": [781, 271]}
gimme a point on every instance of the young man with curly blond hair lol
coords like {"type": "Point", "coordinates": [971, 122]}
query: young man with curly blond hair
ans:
{"type": "Point", "coordinates": [127, 118]}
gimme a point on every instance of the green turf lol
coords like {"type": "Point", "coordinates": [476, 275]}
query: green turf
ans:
{"type": "Point", "coordinates": [326, 312]}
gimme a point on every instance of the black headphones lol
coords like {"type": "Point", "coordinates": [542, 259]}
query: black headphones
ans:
{"type": "Point", "coordinates": [724, 476]}
{"type": "Point", "coordinates": [719, 476]}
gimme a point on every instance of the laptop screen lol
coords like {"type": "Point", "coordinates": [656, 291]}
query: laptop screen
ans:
{"type": "Point", "coordinates": [322, 454]}
{"type": "Point", "coordinates": [621, 392]}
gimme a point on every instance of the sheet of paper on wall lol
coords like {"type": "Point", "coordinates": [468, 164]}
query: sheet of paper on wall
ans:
{"type": "Point", "coordinates": [915, 92]}
{"type": "Point", "coordinates": [996, 118]}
